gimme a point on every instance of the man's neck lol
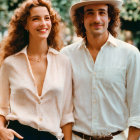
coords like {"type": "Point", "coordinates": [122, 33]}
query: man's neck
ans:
{"type": "Point", "coordinates": [96, 42]}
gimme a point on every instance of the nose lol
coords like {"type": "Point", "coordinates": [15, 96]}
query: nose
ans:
{"type": "Point", "coordinates": [42, 22]}
{"type": "Point", "coordinates": [96, 17]}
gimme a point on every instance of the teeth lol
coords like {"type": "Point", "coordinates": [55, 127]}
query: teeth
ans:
{"type": "Point", "coordinates": [43, 30]}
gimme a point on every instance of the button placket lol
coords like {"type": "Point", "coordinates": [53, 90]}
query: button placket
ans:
{"type": "Point", "coordinates": [94, 99]}
{"type": "Point", "coordinates": [40, 119]}
{"type": "Point", "coordinates": [39, 103]}
{"type": "Point", "coordinates": [93, 95]}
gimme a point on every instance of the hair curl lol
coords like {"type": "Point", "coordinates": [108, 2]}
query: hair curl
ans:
{"type": "Point", "coordinates": [114, 24]}
{"type": "Point", "coordinates": [18, 37]}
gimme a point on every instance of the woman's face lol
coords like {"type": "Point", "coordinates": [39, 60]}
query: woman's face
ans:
{"type": "Point", "coordinates": [39, 23]}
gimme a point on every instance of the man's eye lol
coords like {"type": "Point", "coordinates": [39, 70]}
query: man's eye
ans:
{"type": "Point", "coordinates": [89, 13]}
{"type": "Point", "coordinates": [102, 13]}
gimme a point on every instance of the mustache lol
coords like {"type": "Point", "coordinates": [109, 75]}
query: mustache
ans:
{"type": "Point", "coordinates": [95, 24]}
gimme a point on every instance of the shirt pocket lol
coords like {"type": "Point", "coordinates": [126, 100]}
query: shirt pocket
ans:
{"type": "Point", "coordinates": [112, 75]}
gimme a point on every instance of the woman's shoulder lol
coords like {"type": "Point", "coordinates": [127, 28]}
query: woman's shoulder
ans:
{"type": "Point", "coordinates": [60, 57]}
{"type": "Point", "coordinates": [9, 59]}
{"type": "Point", "coordinates": [13, 57]}
{"type": "Point", "coordinates": [7, 62]}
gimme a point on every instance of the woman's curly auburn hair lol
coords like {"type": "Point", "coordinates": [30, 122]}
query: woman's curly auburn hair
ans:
{"type": "Point", "coordinates": [18, 37]}
{"type": "Point", "coordinates": [114, 23]}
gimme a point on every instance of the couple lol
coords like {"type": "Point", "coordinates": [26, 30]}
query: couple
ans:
{"type": "Point", "coordinates": [36, 81]}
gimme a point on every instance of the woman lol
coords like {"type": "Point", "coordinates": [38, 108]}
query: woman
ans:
{"type": "Point", "coordinates": [35, 79]}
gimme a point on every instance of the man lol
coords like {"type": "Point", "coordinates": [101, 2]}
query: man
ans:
{"type": "Point", "coordinates": [106, 74]}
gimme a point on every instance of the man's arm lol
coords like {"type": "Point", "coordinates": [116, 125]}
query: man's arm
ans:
{"type": "Point", "coordinates": [67, 131]}
{"type": "Point", "coordinates": [133, 96]}
{"type": "Point", "coordinates": [134, 133]}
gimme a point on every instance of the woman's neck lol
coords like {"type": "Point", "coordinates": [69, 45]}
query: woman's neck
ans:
{"type": "Point", "coordinates": [37, 47]}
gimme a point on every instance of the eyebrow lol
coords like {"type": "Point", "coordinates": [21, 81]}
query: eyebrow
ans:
{"type": "Point", "coordinates": [89, 10]}
{"type": "Point", "coordinates": [39, 16]}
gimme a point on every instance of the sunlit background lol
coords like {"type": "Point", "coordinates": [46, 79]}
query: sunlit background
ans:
{"type": "Point", "coordinates": [130, 20]}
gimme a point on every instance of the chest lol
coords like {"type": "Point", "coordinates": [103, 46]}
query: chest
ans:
{"type": "Point", "coordinates": [109, 67]}
{"type": "Point", "coordinates": [40, 79]}
{"type": "Point", "coordinates": [39, 70]}
{"type": "Point", "coordinates": [94, 54]}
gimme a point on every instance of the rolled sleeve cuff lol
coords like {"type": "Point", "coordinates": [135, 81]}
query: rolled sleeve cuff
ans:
{"type": "Point", "coordinates": [67, 119]}
{"type": "Point", "coordinates": [134, 121]}
{"type": "Point", "coordinates": [4, 111]}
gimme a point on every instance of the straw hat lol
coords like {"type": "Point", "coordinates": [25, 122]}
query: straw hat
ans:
{"type": "Point", "coordinates": [116, 3]}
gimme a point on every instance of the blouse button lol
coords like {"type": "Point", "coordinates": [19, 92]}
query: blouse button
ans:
{"type": "Point", "coordinates": [40, 119]}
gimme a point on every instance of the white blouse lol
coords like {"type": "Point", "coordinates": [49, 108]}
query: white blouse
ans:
{"type": "Point", "coordinates": [19, 98]}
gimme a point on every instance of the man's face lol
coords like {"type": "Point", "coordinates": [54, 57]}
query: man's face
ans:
{"type": "Point", "coordinates": [96, 19]}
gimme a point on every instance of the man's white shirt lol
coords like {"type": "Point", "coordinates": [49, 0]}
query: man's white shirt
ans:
{"type": "Point", "coordinates": [107, 91]}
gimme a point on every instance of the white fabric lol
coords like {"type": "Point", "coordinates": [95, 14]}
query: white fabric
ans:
{"type": "Point", "coordinates": [107, 92]}
{"type": "Point", "coordinates": [19, 98]}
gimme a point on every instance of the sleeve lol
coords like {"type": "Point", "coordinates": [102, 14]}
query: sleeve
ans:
{"type": "Point", "coordinates": [4, 90]}
{"type": "Point", "coordinates": [133, 90]}
{"type": "Point", "coordinates": [67, 115]}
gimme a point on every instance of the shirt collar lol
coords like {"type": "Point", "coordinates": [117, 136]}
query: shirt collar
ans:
{"type": "Point", "coordinates": [53, 51]}
{"type": "Point", "coordinates": [24, 51]}
{"type": "Point", "coordinates": [111, 40]}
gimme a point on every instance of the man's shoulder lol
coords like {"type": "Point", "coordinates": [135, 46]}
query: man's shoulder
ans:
{"type": "Point", "coordinates": [72, 47]}
{"type": "Point", "coordinates": [126, 46]}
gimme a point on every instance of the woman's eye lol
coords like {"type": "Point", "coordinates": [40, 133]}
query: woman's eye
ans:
{"type": "Point", "coordinates": [47, 18]}
{"type": "Point", "coordinates": [35, 19]}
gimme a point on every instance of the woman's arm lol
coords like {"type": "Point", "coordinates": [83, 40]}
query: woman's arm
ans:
{"type": "Point", "coordinates": [67, 119]}
{"type": "Point", "coordinates": [67, 131]}
{"type": "Point", "coordinates": [5, 134]}
{"type": "Point", "coordinates": [2, 121]}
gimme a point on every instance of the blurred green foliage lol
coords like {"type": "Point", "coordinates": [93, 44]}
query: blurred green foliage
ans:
{"type": "Point", "coordinates": [62, 7]}
{"type": "Point", "coordinates": [131, 10]}
{"type": "Point", "coordinates": [130, 18]}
